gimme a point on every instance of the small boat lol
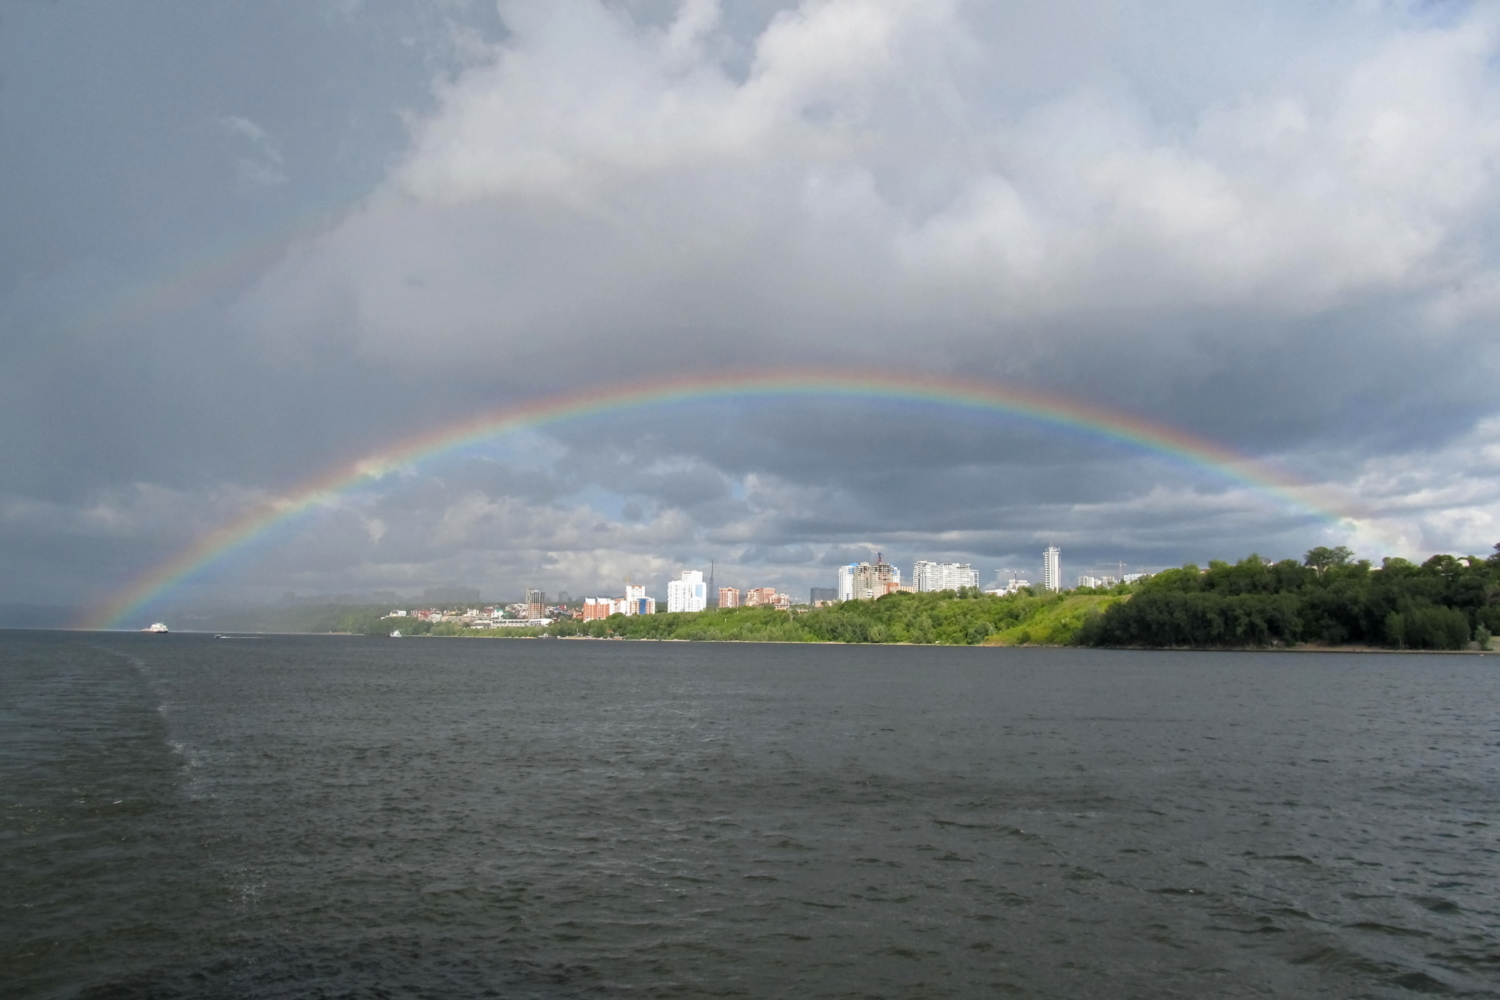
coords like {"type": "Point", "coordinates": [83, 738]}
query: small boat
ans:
{"type": "Point", "coordinates": [396, 634]}
{"type": "Point", "coordinates": [155, 627]}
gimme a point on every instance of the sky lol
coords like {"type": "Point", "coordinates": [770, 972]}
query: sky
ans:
{"type": "Point", "coordinates": [244, 245]}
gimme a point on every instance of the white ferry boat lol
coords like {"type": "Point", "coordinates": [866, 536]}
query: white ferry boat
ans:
{"type": "Point", "coordinates": [156, 627]}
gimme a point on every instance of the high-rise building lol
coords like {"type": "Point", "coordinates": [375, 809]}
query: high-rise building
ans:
{"type": "Point", "coordinates": [928, 576]}
{"type": "Point", "coordinates": [688, 594]}
{"type": "Point", "coordinates": [601, 607]}
{"type": "Point", "coordinates": [760, 595]}
{"type": "Point", "coordinates": [636, 601]}
{"type": "Point", "coordinates": [1052, 568]}
{"type": "Point", "coordinates": [729, 597]}
{"type": "Point", "coordinates": [536, 604]}
{"type": "Point", "coordinates": [867, 581]}
{"type": "Point", "coordinates": [846, 582]}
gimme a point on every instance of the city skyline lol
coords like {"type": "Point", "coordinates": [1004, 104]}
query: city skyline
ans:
{"type": "Point", "coordinates": [453, 596]}
{"type": "Point", "coordinates": [689, 592]}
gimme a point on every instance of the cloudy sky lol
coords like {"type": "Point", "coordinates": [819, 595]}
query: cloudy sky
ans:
{"type": "Point", "coordinates": [245, 244]}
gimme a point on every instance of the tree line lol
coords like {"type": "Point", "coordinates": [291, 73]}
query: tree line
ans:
{"type": "Point", "coordinates": [1328, 598]}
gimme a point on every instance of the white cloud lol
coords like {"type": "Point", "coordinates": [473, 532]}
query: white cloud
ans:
{"type": "Point", "coordinates": [582, 98]}
{"type": "Point", "coordinates": [1444, 500]}
{"type": "Point", "coordinates": [600, 178]}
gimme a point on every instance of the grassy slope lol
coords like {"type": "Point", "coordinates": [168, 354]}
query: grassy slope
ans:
{"type": "Point", "coordinates": [1056, 624]}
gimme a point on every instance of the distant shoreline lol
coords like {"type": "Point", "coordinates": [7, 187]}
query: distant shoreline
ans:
{"type": "Point", "coordinates": [828, 642]}
{"type": "Point", "coordinates": [486, 634]}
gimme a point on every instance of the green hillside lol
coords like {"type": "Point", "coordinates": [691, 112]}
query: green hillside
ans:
{"type": "Point", "coordinates": [1057, 622]}
{"type": "Point", "coordinates": [961, 618]}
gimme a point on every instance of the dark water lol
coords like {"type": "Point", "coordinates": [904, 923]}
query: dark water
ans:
{"type": "Point", "coordinates": [348, 817]}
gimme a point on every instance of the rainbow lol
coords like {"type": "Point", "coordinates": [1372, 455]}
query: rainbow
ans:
{"type": "Point", "coordinates": [1045, 408]}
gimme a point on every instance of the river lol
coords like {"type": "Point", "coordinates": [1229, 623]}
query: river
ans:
{"type": "Point", "coordinates": [338, 816]}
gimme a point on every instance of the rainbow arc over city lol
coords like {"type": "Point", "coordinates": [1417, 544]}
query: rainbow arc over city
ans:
{"type": "Point", "coordinates": [1044, 409]}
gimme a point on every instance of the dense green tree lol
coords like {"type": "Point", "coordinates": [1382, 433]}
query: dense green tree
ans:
{"type": "Point", "coordinates": [1329, 598]}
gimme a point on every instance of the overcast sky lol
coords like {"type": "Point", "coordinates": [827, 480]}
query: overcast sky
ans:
{"type": "Point", "coordinates": [242, 244]}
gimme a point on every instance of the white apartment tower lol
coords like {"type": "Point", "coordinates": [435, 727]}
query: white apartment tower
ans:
{"type": "Point", "coordinates": [944, 576]}
{"type": "Point", "coordinates": [846, 581]}
{"type": "Point", "coordinates": [1052, 568]}
{"type": "Point", "coordinates": [688, 594]}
